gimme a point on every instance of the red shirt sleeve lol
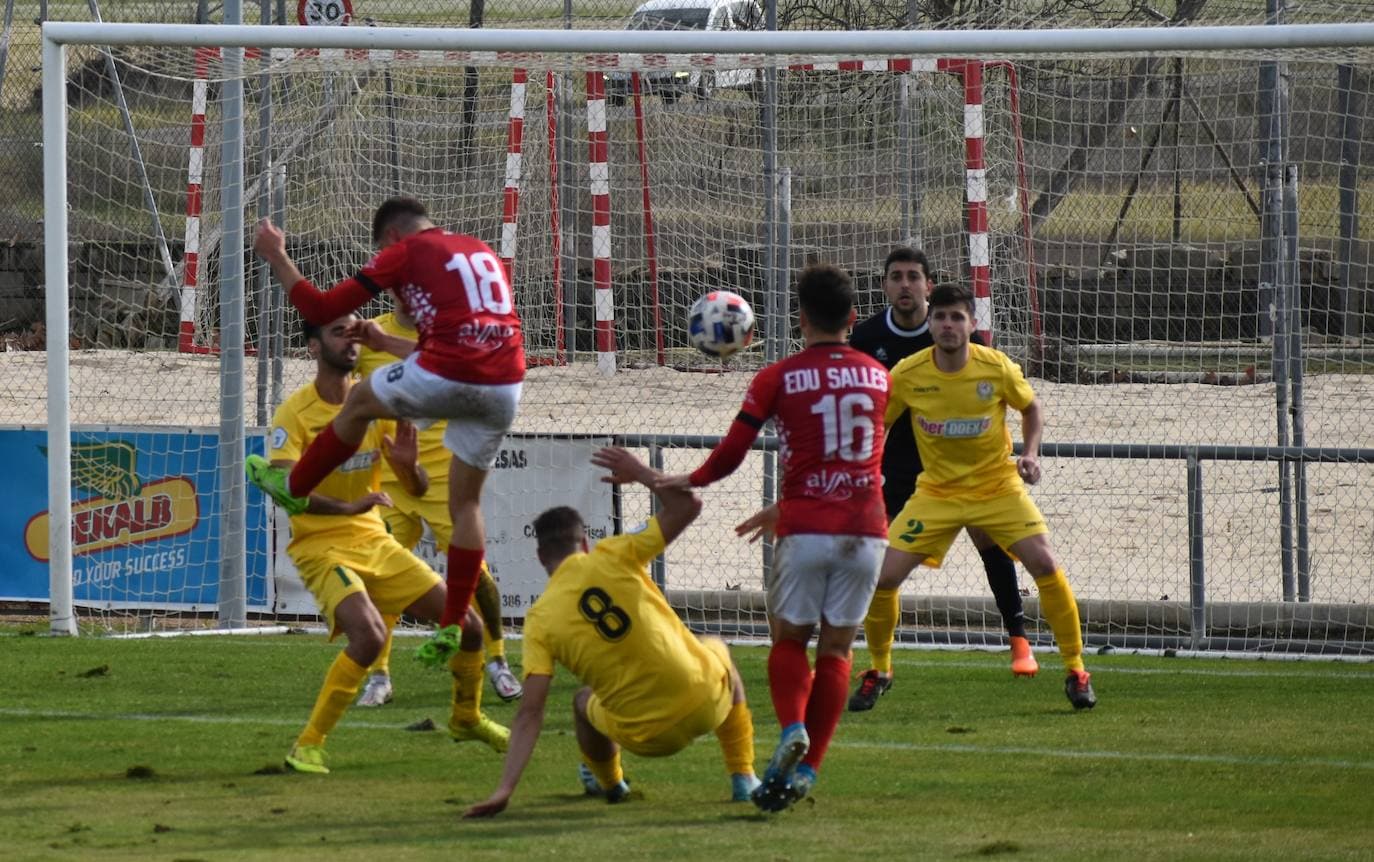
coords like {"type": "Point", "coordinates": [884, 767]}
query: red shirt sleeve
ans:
{"type": "Point", "coordinates": [730, 452]}
{"type": "Point", "coordinates": [381, 273]}
{"type": "Point", "coordinates": [321, 306]}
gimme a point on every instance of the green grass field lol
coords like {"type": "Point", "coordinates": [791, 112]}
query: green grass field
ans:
{"type": "Point", "coordinates": [170, 749]}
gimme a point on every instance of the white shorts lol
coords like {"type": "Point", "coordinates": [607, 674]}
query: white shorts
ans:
{"type": "Point", "coordinates": [478, 415]}
{"type": "Point", "coordinates": [828, 577]}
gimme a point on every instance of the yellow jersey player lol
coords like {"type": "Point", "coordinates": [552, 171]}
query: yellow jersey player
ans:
{"type": "Point", "coordinates": [650, 685]}
{"type": "Point", "coordinates": [352, 566]}
{"type": "Point", "coordinates": [958, 394]}
{"type": "Point", "coordinates": [408, 513]}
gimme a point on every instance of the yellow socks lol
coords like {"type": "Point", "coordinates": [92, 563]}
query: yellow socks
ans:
{"type": "Point", "coordinates": [467, 687]}
{"type": "Point", "coordinates": [488, 599]}
{"type": "Point", "coordinates": [383, 662]}
{"type": "Point", "coordinates": [736, 737]}
{"type": "Point", "coordinates": [1060, 610]}
{"type": "Point", "coordinates": [880, 628]}
{"type": "Point", "coordinates": [608, 772]}
{"type": "Point", "coordinates": [340, 685]}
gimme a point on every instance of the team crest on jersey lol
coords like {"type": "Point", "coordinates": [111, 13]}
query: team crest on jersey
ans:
{"type": "Point", "coordinates": [985, 390]}
{"type": "Point", "coordinates": [880, 354]}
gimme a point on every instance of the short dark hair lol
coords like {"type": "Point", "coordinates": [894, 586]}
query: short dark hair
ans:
{"type": "Point", "coordinates": [310, 330]}
{"type": "Point", "coordinates": [952, 294]}
{"type": "Point", "coordinates": [907, 254]}
{"type": "Point", "coordinates": [826, 293]}
{"type": "Point", "coordinates": [392, 210]}
{"type": "Point", "coordinates": [558, 531]}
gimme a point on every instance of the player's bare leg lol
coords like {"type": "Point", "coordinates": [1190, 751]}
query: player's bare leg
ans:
{"type": "Point", "coordinates": [465, 554]}
{"type": "Point", "coordinates": [600, 771]}
{"type": "Point", "coordinates": [1060, 610]}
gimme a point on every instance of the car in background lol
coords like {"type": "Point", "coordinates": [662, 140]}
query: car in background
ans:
{"type": "Point", "coordinates": [710, 15]}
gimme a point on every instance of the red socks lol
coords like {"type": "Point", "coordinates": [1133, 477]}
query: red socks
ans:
{"type": "Point", "coordinates": [789, 681]}
{"type": "Point", "coordinates": [324, 454]}
{"type": "Point", "coordinates": [825, 706]}
{"type": "Point", "coordinates": [464, 569]}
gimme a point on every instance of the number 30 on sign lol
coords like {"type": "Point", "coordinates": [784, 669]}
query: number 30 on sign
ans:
{"type": "Point", "coordinates": [324, 13]}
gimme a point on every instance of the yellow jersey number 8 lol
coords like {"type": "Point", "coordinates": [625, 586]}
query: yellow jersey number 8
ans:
{"type": "Point", "coordinates": [609, 620]}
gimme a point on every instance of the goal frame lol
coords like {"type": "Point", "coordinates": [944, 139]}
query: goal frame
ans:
{"type": "Point", "coordinates": [750, 48]}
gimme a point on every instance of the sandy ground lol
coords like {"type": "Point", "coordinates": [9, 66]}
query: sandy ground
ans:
{"type": "Point", "coordinates": [1119, 526]}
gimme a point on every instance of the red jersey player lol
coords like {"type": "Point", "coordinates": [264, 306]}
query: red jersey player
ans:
{"type": "Point", "coordinates": [827, 404]}
{"type": "Point", "coordinates": [467, 367]}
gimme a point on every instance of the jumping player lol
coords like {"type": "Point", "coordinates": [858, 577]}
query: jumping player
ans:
{"type": "Point", "coordinates": [356, 571]}
{"type": "Point", "coordinates": [408, 514]}
{"type": "Point", "coordinates": [468, 367]}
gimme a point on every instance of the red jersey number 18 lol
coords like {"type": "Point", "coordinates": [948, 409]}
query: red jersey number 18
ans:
{"type": "Point", "coordinates": [484, 281]}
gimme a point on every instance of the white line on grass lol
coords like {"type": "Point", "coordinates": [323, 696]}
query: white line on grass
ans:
{"type": "Point", "coordinates": [1164, 756]}
{"type": "Point", "coordinates": [1176, 670]}
{"type": "Point", "coordinates": [945, 748]}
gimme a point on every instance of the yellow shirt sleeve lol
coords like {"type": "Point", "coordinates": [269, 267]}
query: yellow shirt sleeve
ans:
{"type": "Point", "coordinates": [1019, 393]}
{"type": "Point", "coordinates": [535, 656]}
{"type": "Point", "coordinates": [287, 439]}
{"type": "Point", "coordinates": [896, 405]}
{"type": "Point", "coordinates": [638, 548]}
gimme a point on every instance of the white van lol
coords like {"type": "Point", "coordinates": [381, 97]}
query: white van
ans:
{"type": "Point", "coordinates": [710, 15]}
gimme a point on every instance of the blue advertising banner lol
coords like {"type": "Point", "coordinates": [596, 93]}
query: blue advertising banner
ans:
{"type": "Point", "coordinates": [145, 519]}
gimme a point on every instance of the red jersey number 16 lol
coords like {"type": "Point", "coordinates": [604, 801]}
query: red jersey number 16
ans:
{"type": "Point", "coordinates": [484, 280]}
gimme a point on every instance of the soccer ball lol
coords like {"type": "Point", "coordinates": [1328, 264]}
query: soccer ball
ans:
{"type": "Point", "coordinates": [720, 324]}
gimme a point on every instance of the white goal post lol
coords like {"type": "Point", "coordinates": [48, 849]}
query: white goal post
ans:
{"type": "Point", "coordinates": [648, 399]}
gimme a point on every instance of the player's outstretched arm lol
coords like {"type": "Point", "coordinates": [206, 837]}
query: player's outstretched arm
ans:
{"type": "Point", "coordinates": [524, 733]}
{"type": "Point", "coordinates": [402, 452]}
{"type": "Point", "coordinates": [269, 243]}
{"type": "Point", "coordinates": [317, 306]}
{"type": "Point", "coordinates": [679, 506]}
{"type": "Point", "coordinates": [1032, 426]}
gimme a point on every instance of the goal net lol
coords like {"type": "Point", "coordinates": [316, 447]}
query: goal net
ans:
{"type": "Point", "coordinates": [1156, 235]}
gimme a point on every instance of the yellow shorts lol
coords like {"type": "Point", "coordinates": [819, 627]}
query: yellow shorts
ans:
{"type": "Point", "coordinates": [406, 520]}
{"type": "Point", "coordinates": [392, 577]}
{"type": "Point", "coordinates": [927, 526]}
{"type": "Point", "coordinates": [659, 741]}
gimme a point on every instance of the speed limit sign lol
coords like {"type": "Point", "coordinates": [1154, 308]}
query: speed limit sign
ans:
{"type": "Point", "coordinates": [324, 13]}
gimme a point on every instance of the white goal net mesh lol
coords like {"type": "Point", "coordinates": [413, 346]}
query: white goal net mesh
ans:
{"type": "Point", "coordinates": [1125, 212]}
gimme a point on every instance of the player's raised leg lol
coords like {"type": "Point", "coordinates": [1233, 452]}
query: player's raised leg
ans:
{"type": "Point", "coordinates": [327, 451]}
